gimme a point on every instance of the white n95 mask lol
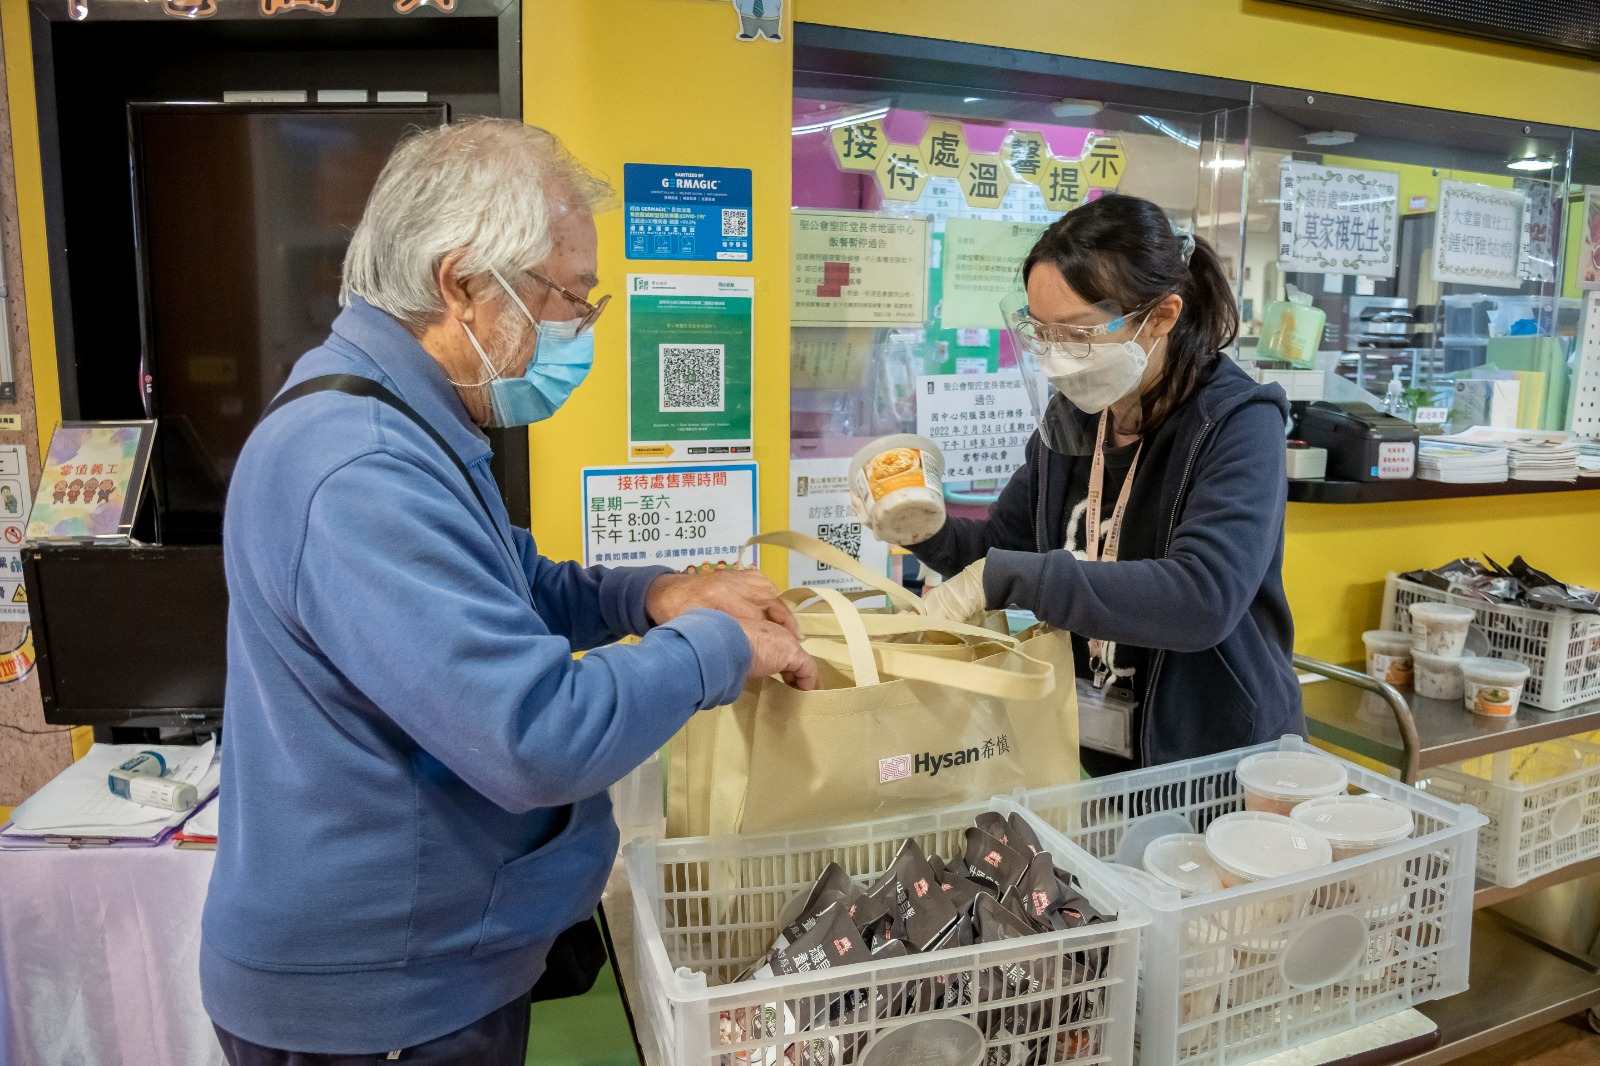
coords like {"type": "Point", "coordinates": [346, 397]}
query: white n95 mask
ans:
{"type": "Point", "coordinates": [1093, 375]}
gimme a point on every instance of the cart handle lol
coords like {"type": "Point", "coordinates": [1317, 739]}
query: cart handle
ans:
{"type": "Point", "coordinates": [1403, 719]}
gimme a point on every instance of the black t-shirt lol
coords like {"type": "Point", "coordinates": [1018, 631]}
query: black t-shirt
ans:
{"type": "Point", "coordinates": [1141, 528]}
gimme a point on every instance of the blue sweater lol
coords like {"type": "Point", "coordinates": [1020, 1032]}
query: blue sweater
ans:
{"type": "Point", "coordinates": [413, 790]}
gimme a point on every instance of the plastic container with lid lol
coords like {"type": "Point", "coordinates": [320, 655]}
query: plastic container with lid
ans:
{"type": "Point", "coordinates": [1276, 781]}
{"type": "Point", "coordinates": [1355, 825]}
{"type": "Point", "coordinates": [1181, 860]}
{"type": "Point", "coordinates": [1438, 677]}
{"type": "Point", "coordinates": [1440, 628]}
{"type": "Point", "coordinates": [1492, 687]}
{"type": "Point", "coordinates": [1388, 655]}
{"type": "Point", "coordinates": [1250, 846]}
{"type": "Point", "coordinates": [899, 481]}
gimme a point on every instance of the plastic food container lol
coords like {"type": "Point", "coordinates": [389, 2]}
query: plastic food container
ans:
{"type": "Point", "coordinates": [1252, 846]}
{"type": "Point", "coordinates": [1181, 861]}
{"type": "Point", "coordinates": [1277, 781]}
{"type": "Point", "coordinates": [1355, 825]}
{"type": "Point", "coordinates": [1439, 628]}
{"type": "Point", "coordinates": [1438, 677]}
{"type": "Point", "coordinates": [1388, 655]}
{"type": "Point", "coordinates": [1492, 687]}
{"type": "Point", "coordinates": [900, 481]}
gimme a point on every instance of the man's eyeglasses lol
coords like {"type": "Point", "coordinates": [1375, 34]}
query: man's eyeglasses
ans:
{"type": "Point", "coordinates": [591, 312]}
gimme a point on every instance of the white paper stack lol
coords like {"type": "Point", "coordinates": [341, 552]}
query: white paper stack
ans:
{"type": "Point", "coordinates": [1589, 459]}
{"type": "Point", "coordinates": [1458, 463]}
{"type": "Point", "coordinates": [77, 806]}
{"type": "Point", "coordinates": [1534, 455]}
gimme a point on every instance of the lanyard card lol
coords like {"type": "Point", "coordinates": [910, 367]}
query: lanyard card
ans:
{"type": "Point", "coordinates": [1105, 719]}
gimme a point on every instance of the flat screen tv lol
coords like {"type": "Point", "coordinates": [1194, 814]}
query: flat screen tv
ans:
{"type": "Point", "coordinates": [242, 213]}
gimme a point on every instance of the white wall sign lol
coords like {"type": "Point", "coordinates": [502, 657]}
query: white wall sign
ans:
{"type": "Point", "coordinates": [1478, 236]}
{"type": "Point", "coordinates": [819, 505]}
{"type": "Point", "coordinates": [981, 422]}
{"type": "Point", "coordinates": [15, 501]}
{"type": "Point", "coordinates": [1335, 220]}
{"type": "Point", "coordinates": [667, 516]}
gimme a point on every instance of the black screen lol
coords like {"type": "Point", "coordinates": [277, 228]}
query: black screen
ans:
{"type": "Point", "coordinates": [242, 216]}
{"type": "Point", "coordinates": [110, 623]}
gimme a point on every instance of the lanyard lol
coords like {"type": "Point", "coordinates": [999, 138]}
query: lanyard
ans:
{"type": "Point", "coordinates": [1091, 533]}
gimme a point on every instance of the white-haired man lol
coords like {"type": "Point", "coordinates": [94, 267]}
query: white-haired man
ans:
{"type": "Point", "coordinates": [413, 796]}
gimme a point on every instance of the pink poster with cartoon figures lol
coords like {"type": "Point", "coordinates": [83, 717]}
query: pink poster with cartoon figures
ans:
{"type": "Point", "coordinates": [88, 480]}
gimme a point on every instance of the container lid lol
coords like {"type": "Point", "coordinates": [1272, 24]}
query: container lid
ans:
{"type": "Point", "coordinates": [1437, 662]}
{"type": "Point", "coordinates": [1140, 879]}
{"type": "Point", "coordinates": [1494, 671]}
{"type": "Point", "coordinates": [1181, 861]}
{"type": "Point", "coordinates": [1292, 775]}
{"type": "Point", "coordinates": [1258, 846]}
{"type": "Point", "coordinates": [1386, 636]}
{"type": "Point", "coordinates": [1442, 612]}
{"type": "Point", "coordinates": [1141, 831]}
{"type": "Point", "coordinates": [926, 1042]}
{"type": "Point", "coordinates": [1356, 821]}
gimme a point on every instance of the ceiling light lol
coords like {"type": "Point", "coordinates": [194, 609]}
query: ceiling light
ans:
{"type": "Point", "coordinates": [1225, 164]}
{"type": "Point", "coordinates": [1531, 162]}
{"type": "Point", "coordinates": [1328, 138]}
{"type": "Point", "coordinates": [971, 99]}
{"type": "Point", "coordinates": [847, 120]}
{"type": "Point", "coordinates": [1071, 108]}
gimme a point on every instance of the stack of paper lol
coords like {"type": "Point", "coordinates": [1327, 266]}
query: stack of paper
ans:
{"type": "Point", "coordinates": [1535, 456]}
{"type": "Point", "coordinates": [200, 831]}
{"type": "Point", "coordinates": [1458, 463]}
{"type": "Point", "coordinates": [77, 807]}
{"type": "Point", "coordinates": [1589, 459]}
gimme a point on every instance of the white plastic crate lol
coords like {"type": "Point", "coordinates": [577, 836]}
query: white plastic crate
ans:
{"type": "Point", "coordinates": [1542, 802]}
{"type": "Point", "coordinates": [1241, 974]}
{"type": "Point", "coordinates": [1560, 648]}
{"type": "Point", "coordinates": [705, 907]}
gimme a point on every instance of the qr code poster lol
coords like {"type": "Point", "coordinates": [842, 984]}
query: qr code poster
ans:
{"type": "Point", "coordinates": [689, 368]}
{"type": "Point", "coordinates": [819, 505]}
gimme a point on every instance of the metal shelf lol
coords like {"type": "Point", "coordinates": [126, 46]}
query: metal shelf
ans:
{"type": "Point", "coordinates": [1367, 722]}
{"type": "Point", "coordinates": [1516, 986]}
{"type": "Point", "coordinates": [1488, 895]}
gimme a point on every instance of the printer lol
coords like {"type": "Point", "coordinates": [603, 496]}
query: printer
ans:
{"type": "Point", "coordinates": [1362, 442]}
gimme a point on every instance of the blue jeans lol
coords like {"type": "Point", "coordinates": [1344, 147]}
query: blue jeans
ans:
{"type": "Point", "coordinates": [499, 1038]}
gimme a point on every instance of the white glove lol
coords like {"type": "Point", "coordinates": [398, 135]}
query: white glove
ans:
{"type": "Point", "coordinates": [869, 513]}
{"type": "Point", "coordinates": [960, 598]}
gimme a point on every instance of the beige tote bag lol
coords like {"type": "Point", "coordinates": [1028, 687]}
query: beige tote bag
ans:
{"type": "Point", "coordinates": [912, 713]}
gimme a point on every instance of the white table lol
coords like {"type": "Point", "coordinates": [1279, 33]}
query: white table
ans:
{"type": "Point", "coordinates": [99, 958]}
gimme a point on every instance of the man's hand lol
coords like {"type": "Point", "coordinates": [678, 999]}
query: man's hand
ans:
{"type": "Point", "coordinates": [745, 594]}
{"type": "Point", "coordinates": [775, 650]}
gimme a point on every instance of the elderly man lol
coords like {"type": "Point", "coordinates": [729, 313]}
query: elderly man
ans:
{"type": "Point", "coordinates": [414, 791]}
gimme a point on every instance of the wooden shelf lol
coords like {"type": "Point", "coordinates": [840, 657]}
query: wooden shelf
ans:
{"type": "Point", "coordinates": [1417, 489]}
{"type": "Point", "coordinates": [1488, 894]}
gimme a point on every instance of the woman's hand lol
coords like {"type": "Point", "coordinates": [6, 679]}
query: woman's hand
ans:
{"type": "Point", "coordinates": [958, 599]}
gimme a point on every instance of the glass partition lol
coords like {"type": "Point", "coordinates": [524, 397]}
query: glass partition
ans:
{"type": "Point", "coordinates": [1428, 246]}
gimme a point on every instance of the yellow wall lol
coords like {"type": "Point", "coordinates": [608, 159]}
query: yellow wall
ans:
{"type": "Point", "coordinates": [663, 81]}
{"type": "Point", "coordinates": [1337, 554]}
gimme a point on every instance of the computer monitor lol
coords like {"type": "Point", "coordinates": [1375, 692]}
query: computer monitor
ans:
{"type": "Point", "coordinates": [128, 635]}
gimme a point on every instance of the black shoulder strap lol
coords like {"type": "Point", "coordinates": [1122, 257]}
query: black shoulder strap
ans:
{"type": "Point", "coordinates": [356, 385]}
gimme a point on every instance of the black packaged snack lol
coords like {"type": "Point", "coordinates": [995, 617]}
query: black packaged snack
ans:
{"type": "Point", "coordinates": [922, 911]}
{"type": "Point", "coordinates": [1012, 903]}
{"type": "Point", "coordinates": [962, 891]}
{"type": "Point", "coordinates": [1043, 897]}
{"type": "Point", "coordinates": [992, 923]}
{"type": "Point", "coordinates": [874, 913]}
{"type": "Point", "coordinates": [995, 825]}
{"type": "Point", "coordinates": [936, 864]}
{"type": "Point", "coordinates": [808, 904]}
{"type": "Point", "coordinates": [991, 862]}
{"type": "Point", "coordinates": [832, 941]}
{"type": "Point", "coordinates": [1022, 838]}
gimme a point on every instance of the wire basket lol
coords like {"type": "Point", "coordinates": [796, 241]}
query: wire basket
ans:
{"type": "Point", "coordinates": [1240, 974]}
{"type": "Point", "coordinates": [1542, 802]}
{"type": "Point", "coordinates": [705, 907]}
{"type": "Point", "coordinates": [1560, 648]}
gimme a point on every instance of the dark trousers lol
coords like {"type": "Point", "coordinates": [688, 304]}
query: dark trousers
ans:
{"type": "Point", "coordinates": [499, 1038]}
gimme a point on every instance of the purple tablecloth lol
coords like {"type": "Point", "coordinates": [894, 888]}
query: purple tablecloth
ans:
{"type": "Point", "coordinates": [99, 955]}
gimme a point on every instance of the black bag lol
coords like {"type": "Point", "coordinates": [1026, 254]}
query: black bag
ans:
{"type": "Point", "coordinates": [578, 954]}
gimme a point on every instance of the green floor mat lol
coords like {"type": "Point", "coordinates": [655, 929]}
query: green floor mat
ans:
{"type": "Point", "coordinates": [587, 1030]}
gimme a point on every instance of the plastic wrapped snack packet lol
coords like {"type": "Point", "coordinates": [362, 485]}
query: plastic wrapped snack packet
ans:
{"type": "Point", "coordinates": [995, 825]}
{"type": "Point", "coordinates": [962, 891]}
{"type": "Point", "coordinates": [922, 911]}
{"type": "Point", "coordinates": [992, 862]}
{"type": "Point", "coordinates": [1022, 838]}
{"type": "Point", "coordinates": [832, 879]}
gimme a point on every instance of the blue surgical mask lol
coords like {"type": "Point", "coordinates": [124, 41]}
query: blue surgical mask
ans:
{"type": "Point", "coordinates": [561, 360]}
